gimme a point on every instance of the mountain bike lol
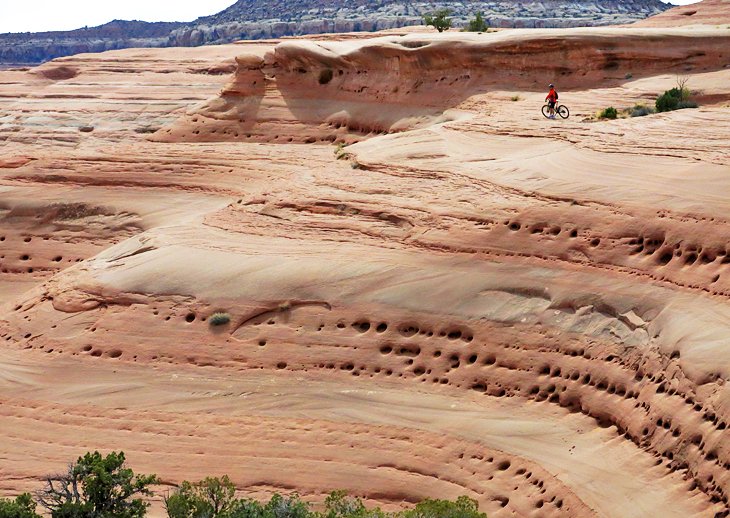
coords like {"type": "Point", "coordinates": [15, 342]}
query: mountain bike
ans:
{"type": "Point", "coordinates": [560, 109]}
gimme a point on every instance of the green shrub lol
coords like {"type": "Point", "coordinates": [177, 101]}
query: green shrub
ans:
{"type": "Point", "coordinates": [608, 113]}
{"type": "Point", "coordinates": [219, 319]}
{"type": "Point", "coordinates": [278, 507]}
{"type": "Point", "coordinates": [675, 98]}
{"type": "Point", "coordinates": [669, 100]}
{"type": "Point", "coordinates": [464, 507]}
{"type": "Point", "coordinates": [681, 105]}
{"type": "Point", "coordinates": [339, 505]}
{"type": "Point", "coordinates": [22, 507]}
{"type": "Point", "coordinates": [208, 498]}
{"type": "Point", "coordinates": [515, 98]}
{"type": "Point", "coordinates": [477, 24]}
{"type": "Point", "coordinates": [198, 501]}
{"type": "Point", "coordinates": [439, 20]}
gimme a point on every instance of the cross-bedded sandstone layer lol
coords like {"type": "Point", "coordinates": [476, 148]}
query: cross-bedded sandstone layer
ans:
{"type": "Point", "coordinates": [469, 300]}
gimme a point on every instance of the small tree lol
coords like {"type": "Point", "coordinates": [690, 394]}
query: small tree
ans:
{"type": "Point", "coordinates": [477, 24]}
{"type": "Point", "coordinates": [339, 505]}
{"type": "Point", "coordinates": [22, 507]}
{"type": "Point", "coordinates": [439, 20]}
{"type": "Point", "coordinates": [208, 498]}
{"type": "Point", "coordinates": [97, 486]}
{"type": "Point", "coordinates": [292, 507]}
{"type": "Point", "coordinates": [464, 507]}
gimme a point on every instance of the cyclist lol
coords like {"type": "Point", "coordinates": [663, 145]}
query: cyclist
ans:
{"type": "Point", "coordinates": [552, 100]}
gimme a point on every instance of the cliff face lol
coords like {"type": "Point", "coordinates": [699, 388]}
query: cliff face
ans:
{"type": "Point", "coordinates": [249, 19]}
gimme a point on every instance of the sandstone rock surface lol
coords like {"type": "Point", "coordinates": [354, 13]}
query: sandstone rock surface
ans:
{"type": "Point", "coordinates": [708, 12]}
{"type": "Point", "coordinates": [467, 299]}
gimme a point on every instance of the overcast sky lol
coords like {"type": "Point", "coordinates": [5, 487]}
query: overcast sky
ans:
{"type": "Point", "coordinates": [56, 15]}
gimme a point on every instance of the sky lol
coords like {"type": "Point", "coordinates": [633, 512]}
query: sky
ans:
{"type": "Point", "coordinates": [60, 15]}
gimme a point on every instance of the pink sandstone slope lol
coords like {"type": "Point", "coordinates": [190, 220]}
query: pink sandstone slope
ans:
{"type": "Point", "coordinates": [706, 12]}
{"type": "Point", "coordinates": [468, 299]}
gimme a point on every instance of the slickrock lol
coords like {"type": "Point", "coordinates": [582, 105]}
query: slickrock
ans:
{"type": "Point", "coordinates": [708, 12]}
{"type": "Point", "coordinates": [467, 299]}
{"type": "Point", "coordinates": [338, 91]}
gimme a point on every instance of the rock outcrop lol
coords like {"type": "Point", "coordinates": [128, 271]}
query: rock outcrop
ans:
{"type": "Point", "coordinates": [342, 91]}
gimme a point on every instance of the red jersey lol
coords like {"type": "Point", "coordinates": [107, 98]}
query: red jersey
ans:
{"type": "Point", "coordinates": [552, 95]}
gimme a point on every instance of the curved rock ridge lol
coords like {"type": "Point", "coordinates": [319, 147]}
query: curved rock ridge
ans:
{"type": "Point", "coordinates": [530, 312]}
{"type": "Point", "coordinates": [340, 91]}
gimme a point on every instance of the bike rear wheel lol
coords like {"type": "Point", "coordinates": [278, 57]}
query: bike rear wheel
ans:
{"type": "Point", "coordinates": [563, 111]}
{"type": "Point", "coordinates": [546, 111]}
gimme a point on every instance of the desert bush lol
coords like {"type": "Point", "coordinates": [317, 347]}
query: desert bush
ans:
{"type": "Point", "coordinates": [439, 20]}
{"type": "Point", "coordinates": [339, 505]}
{"type": "Point", "coordinates": [196, 501]}
{"type": "Point", "coordinates": [681, 105]}
{"type": "Point", "coordinates": [515, 98]}
{"type": "Point", "coordinates": [277, 507]}
{"type": "Point", "coordinates": [219, 319]}
{"type": "Point", "coordinates": [22, 507]}
{"type": "Point", "coordinates": [97, 486]}
{"type": "Point", "coordinates": [676, 98]}
{"type": "Point", "coordinates": [464, 507]}
{"type": "Point", "coordinates": [669, 100]}
{"type": "Point", "coordinates": [608, 113]}
{"type": "Point", "coordinates": [640, 110]}
{"type": "Point", "coordinates": [681, 82]}
{"type": "Point", "coordinates": [340, 152]}
{"type": "Point", "coordinates": [208, 498]}
{"type": "Point", "coordinates": [477, 24]}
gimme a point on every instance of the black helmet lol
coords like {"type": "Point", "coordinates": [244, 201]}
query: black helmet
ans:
{"type": "Point", "coordinates": [552, 85]}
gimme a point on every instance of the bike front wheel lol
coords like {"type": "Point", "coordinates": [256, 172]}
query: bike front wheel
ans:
{"type": "Point", "coordinates": [563, 111]}
{"type": "Point", "coordinates": [546, 111]}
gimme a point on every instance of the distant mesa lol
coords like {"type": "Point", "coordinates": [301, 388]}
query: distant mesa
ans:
{"type": "Point", "coordinates": [252, 19]}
